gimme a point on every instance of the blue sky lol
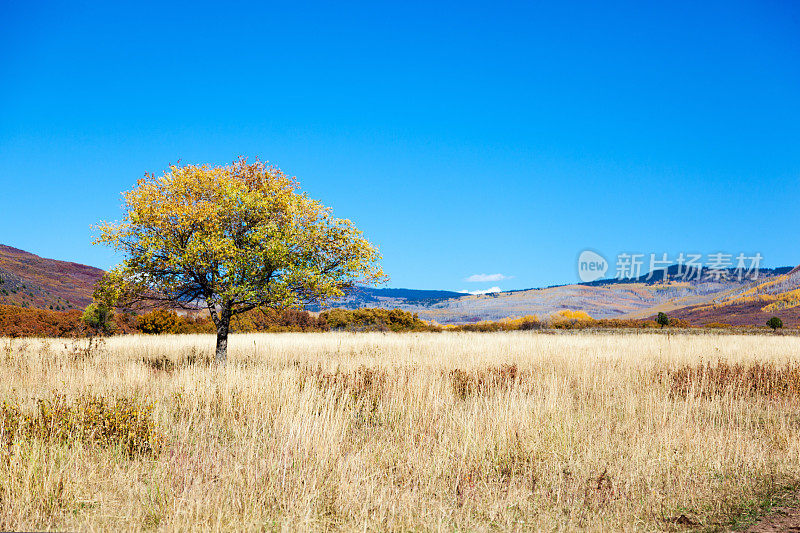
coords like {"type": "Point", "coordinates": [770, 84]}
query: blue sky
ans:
{"type": "Point", "coordinates": [463, 138]}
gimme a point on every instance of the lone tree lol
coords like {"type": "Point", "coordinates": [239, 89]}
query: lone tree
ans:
{"type": "Point", "coordinates": [231, 239]}
{"type": "Point", "coordinates": [662, 319]}
{"type": "Point", "coordinates": [775, 323]}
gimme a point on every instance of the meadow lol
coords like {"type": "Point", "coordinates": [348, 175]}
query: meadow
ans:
{"type": "Point", "coordinates": [413, 431]}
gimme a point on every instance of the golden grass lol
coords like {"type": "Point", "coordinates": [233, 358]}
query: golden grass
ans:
{"type": "Point", "coordinates": [427, 431]}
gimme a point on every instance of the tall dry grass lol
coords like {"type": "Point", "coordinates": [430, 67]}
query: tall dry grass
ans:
{"type": "Point", "coordinates": [464, 431]}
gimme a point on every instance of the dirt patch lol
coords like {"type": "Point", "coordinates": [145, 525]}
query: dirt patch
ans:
{"type": "Point", "coordinates": [782, 518]}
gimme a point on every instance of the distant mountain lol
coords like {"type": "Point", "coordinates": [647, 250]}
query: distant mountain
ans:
{"type": "Point", "coordinates": [609, 298]}
{"type": "Point", "coordinates": [390, 298]}
{"type": "Point", "coordinates": [678, 272]}
{"type": "Point", "coordinates": [32, 281]}
{"type": "Point", "coordinates": [29, 280]}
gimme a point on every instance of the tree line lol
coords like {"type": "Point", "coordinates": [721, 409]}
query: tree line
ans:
{"type": "Point", "coordinates": [18, 321]}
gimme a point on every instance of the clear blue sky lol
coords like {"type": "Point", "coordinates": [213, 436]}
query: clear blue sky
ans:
{"type": "Point", "coordinates": [462, 138]}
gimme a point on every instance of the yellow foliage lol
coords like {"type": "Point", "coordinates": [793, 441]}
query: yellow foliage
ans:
{"type": "Point", "coordinates": [237, 237]}
{"type": "Point", "coordinates": [567, 314]}
{"type": "Point", "coordinates": [784, 301]}
{"type": "Point", "coordinates": [514, 323]}
{"type": "Point", "coordinates": [505, 324]}
{"type": "Point", "coordinates": [122, 421]}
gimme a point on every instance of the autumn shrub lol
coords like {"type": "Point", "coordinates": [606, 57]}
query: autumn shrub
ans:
{"type": "Point", "coordinates": [758, 379]}
{"type": "Point", "coordinates": [122, 421]}
{"type": "Point", "coordinates": [679, 323]}
{"type": "Point", "coordinates": [477, 382]}
{"type": "Point", "coordinates": [162, 363]}
{"type": "Point", "coordinates": [360, 390]}
{"type": "Point", "coordinates": [17, 321]}
{"type": "Point", "coordinates": [374, 320]}
{"type": "Point", "coordinates": [565, 320]}
{"type": "Point", "coordinates": [482, 326]}
{"type": "Point", "coordinates": [363, 381]}
{"type": "Point", "coordinates": [717, 325]}
{"type": "Point", "coordinates": [528, 322]}
{"type": "Point", "coordinates": [277, 320]}
{"type": "Point", "coordinates": [159, 321]}
{"type": "Point", "coordinates": [568, 314]}
{"type": "Point", "coordinates": [270, 320]}
{"type": "Point", "coordinates": [569, 319]}
{"type": "Point", "coordinates": [525, 323]}
{"type": "Point", "coordinates": [99, 318]}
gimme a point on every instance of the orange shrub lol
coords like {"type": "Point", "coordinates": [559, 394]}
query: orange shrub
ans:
{"type": "Point", "coordinates": [25, 322]}
{"type": "Point", "coordinates": [158, 321]}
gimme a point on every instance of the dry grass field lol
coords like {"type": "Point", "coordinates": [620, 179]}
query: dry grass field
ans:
{"type": "Point", "coordinates": [450, 431]}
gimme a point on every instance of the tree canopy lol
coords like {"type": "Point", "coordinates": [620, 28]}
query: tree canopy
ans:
{"type": "Point", "coordinates": [775, 323]}
{"type": "Point", "coordinates": [231, 238]}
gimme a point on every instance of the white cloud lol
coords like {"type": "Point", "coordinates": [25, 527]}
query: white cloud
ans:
{"type": "Point", "coordinates": [482, 291]}
{"type": "Point", "coordinates": [483, 278]}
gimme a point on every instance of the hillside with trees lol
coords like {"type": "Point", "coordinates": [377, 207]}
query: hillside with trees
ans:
{"type": "Point", "coordinates": [27, 280]}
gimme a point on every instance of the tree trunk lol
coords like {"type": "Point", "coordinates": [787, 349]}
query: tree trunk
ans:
{"type": "Point", "coordinates": [223, 326]}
